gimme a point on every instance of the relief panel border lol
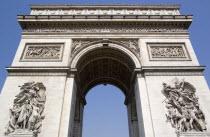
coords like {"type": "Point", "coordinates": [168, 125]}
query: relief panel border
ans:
{"type": "Point", "coordinates": [56, 54]}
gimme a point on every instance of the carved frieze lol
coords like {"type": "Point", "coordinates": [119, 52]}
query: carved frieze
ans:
{"type": "Point", "coordinates": [132, 44]}
{"type": "Point", "coordinates": [102, 30]}
{"type": "Point", "coordinates": [27, 113]}
{"type": "Point", "coordinates": [167, 51]}
{"type": "Point", "coordinates": [183, 109]}
{"type": "Point", "coordinates": [103, 12]}
{"type": "Point", "coordinates": [42, 52]}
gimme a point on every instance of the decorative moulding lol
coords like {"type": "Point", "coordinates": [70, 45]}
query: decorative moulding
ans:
{"type": "Point", "coordinates": [42, 52]}
{"type": "Point", "coordinates": [104, 30]}
{"type": "Point", "coordinates": [170, 71]}
{"type": "Point", "coordinates": [193, 134]}
{"type": "Point", "coordinates": [36, 74]}
{"type": "Point", "coordinates": [168, 52]}
{"type": "Point", "coordinates": [173, 73]}
{"type": "Point", "coordinates": [39, 71]}
{"type": "Point", "coordinates": [104, 12]}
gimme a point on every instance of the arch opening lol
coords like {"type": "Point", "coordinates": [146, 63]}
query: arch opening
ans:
{"type": "Point", "coordinates": [104, 65]}
{"type": "Point", "coordinates": [105, 114]}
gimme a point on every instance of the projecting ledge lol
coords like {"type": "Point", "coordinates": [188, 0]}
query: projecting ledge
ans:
{"type": "Point", "coordinates": [170, 70]}
{"type": "Point", "coordinates": [193, 134]}
{"type": "Point", "coordinates": [173, 68]}
{"type": "Point", "coordinates": [37, 69]}
{"type": "Point", "coordinates": [103, 17]}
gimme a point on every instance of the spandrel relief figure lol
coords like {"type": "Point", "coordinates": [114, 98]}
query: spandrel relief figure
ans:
{"type": "Point", "coordinates": [27, 112]}
{"type": "Point", "coordinates": [183, 113]}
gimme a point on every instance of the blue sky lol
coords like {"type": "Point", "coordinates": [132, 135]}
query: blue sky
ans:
{"type": "Point", "coordinates": [107, 96]}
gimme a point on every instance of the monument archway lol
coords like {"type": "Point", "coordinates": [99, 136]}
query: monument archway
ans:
{"type": "Point", "coordinates": [105, 62]}
{"type": "Point", "coordinates": [142, 49]}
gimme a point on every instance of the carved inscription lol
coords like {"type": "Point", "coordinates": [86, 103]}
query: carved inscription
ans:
{"type": "Point", "coordinates": [27, 113]}
{"type": "Point", "coordinates": [167, 52]}
{"type": "Point", "coordinates": [183, 111]}
{"type": "Point", "coordinates": [43, 52]}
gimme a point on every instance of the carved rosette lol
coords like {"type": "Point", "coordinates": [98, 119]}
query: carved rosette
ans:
{"type": "Point", "coordinates": [183, 111]}
{"type": "Point", "coordinates": [27, 113]}
{"type": "Point", "coordinates": [130, 44]}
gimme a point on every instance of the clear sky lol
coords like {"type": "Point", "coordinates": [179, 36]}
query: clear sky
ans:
{"type": "Point", "coordinates": [107, 96]}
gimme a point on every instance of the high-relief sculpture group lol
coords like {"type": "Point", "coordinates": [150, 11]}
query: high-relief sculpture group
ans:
{"type": "Point", "coordinates": [184, 112]}
{"type": "Point", "coordinates": [27, 113]}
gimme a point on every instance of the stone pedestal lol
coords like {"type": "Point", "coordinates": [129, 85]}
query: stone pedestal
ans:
{"type": "Point", "coordinates": [193, 134]}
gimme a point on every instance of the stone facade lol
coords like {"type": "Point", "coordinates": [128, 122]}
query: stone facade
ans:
{"type": "Point", "coordinates": [66, 50]}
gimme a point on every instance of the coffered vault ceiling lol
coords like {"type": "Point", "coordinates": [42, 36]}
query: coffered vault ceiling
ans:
{"type": "Point", "coordinates": [105, 66]}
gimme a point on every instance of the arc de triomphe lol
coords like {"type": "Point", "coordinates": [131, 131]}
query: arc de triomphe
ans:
{"type": "Point", "coordinates": [66, 50]}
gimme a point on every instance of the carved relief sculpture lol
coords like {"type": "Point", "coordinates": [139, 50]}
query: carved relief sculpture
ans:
{"type": "Point", "coordinates": [131, 44]}
{"type": "Point", "coordinates": [183, 111]}
{"type": "Point", "coordinates": [43, 52]}
{"type": "Point", "coordinates": [27, 113]}
{"type": "Point", "coordinates": [77, 44]}
{"type": "Point", "coordinates": [167, 52]}
{"type": "Point", "coordinates": [104, 30]}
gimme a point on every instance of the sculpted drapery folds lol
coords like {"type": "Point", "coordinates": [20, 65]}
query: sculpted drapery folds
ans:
{"type": "Point", "coordinates": [27, 112]}
{"type": "Point", "coordinates": [184, 112]}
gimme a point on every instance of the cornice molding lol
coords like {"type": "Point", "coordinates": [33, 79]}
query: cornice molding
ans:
{"type": "Point", "coordinates": [173, 73]}
{"type": "Point", "coordinates": [37, 69]}
{"type": "Point", "coordinates": [170, 71]}
{"type": "Point", "coordinates": [41, 71]}
{"type": "Point", "coordinates": [104, 24]}
{"type": "Point", "coordinates": [140, 72]}
{"type": "Point", "coordinates": [95, 18]}
{"type": "Point", "coordinates": [36, 74]}
{"type": "Point", "coordinates": [173, 68]}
